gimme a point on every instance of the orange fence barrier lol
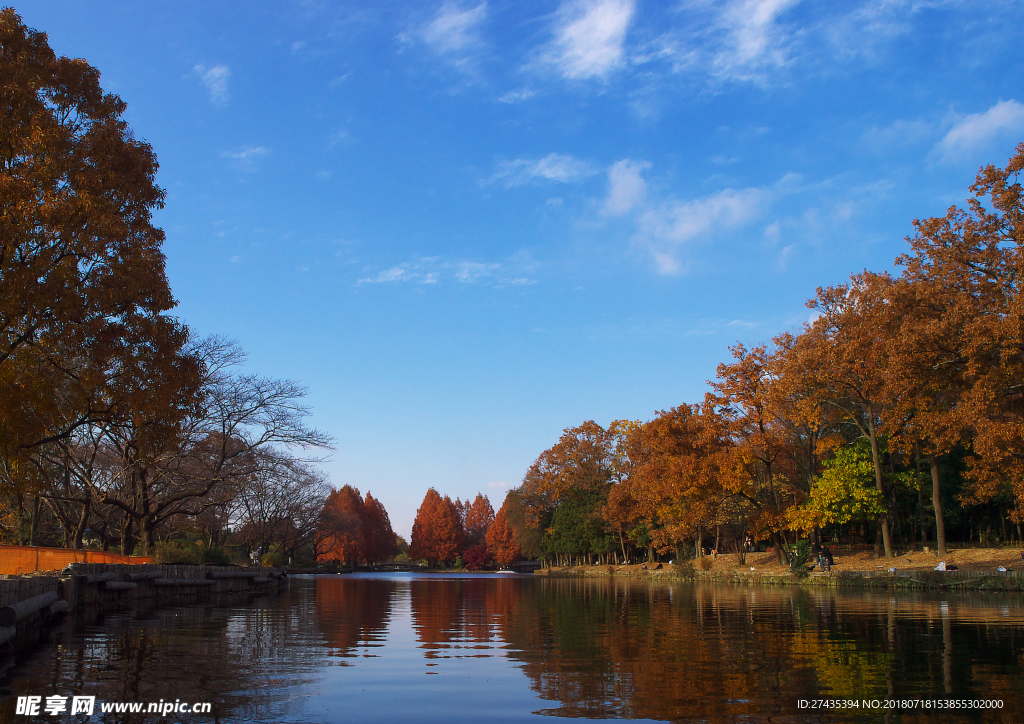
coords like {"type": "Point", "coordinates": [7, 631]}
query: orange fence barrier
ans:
{"type": "Point", "coordinates": [28, 559]}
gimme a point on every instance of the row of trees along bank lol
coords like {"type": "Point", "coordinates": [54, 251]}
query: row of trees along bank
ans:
{"type": "Point", "coordinates": [116, 422]}
{"type": "Point", "coordinates": [896, 415]}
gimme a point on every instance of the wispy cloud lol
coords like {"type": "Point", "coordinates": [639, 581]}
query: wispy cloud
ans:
{"type": "Point", "coordinates": [626, 187]}
{"type": "Point", "coordinates": [555, 167]}
{"type": "Point", "coordinates": [754, 39]}
{"type": "Point", "coordinates": [517, 270]}
{"type": "Point", "coordinates": [468, 272]}
{"type": "Point", "coordinates": [401, 273]}
{"type": "Point", "coordinates": [246, 158]}
{"type": "Point", "coordinates": [454, 29]}
{"type": "Point", "coordinates": [973, 131]}
{"type": "Point", "coordinates": [899, 133]}
{"type": "Point", "coordinates": [664, 229]}
{"type": "Point", "coordinates": [589, 38]}
{"type": "Point", "coordinates": [246, 153]}
{"type": "Point", "coordinates": [215, 80]}
{"type": "Point", "coordinates": [453, 33]}
{"type": "Point", "coordinates": [517, 96]}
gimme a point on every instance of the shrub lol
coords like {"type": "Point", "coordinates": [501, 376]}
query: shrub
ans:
{"type": "Point", "coordinates": [798, 562]}
{"type": "Point", "coordinates": [706, 562]}
{"type": "Point", "coordinates": [217, 556]}
{"type": "Point", "coordinates": [177, 551]}
{"type": "Point", "coordinates": [476, 557]}
{"type": "Point", "coordinates": [273, 560]}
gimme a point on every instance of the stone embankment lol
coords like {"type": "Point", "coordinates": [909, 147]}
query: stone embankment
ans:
{"type": "Point", "coordinates": [968, 580]}
{"type": "Point", "coordinates": [31, 604]}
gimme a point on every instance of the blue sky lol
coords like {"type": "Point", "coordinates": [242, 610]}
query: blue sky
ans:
{"type": "Point", "coordinates": [467, 226]}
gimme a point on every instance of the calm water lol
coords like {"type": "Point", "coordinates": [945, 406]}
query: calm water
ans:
{"type": "Point", "coordinates": [394, 648]}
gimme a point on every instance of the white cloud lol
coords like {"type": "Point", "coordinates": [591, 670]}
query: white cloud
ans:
{"type": "Point", "coordinates": [517, 96]}
{"type": "Point", "coordinates": [664, 229]}
{"type": "Point", "coordinates": [556, 167]}
{"type": "Point", "coordinates": [216, 81]}
{"type": "Point", "coordinates": [754, 40]}
{"type": "Point", "coordinates": [626, 187]}
{"type": "Point", "coordinates": [589, 37]}
{"type": "Point", "coordinates": [785, 255]}
{"type": "Point", "coordinates": [246, 153]}
{"type": "Point", "coordinates": [899, 132]}
{"type": "Point", "coordinates": [432, 270]}
{"type": "Point", "coordinates": [680, 221]}
{"type": "Point", "coordinates": [1002, 119]}
{"type": "Point", "coordinates": [453, 29]}
{"type": "Point", "coordinates": [246, 158]}
{"type": "Point", "coordinates": [468, 272]}
{"type": "Point", "coordinates": [400, 273]}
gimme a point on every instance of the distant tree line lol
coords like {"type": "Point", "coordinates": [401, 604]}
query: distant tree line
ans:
{"type": "Point", "coordinates": [894, 417]}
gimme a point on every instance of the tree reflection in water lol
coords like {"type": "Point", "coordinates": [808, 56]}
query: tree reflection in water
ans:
{"type": "Point", "coordinates": [339, 647]}
{"type": "Point", "coordinates": [250, 661]}
{"type": "Point", "coordinates": [352, 612]}
{"type": "Point", "coordinates": [619, 648]}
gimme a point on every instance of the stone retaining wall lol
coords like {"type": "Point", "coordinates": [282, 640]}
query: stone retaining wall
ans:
{"type": "Point", "coordinates": [945, 580]}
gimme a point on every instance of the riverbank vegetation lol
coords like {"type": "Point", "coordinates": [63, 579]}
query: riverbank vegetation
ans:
{"type": "Point", "coordinates": [894, 416]}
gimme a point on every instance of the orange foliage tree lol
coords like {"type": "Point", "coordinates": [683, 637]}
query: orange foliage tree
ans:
{"type": "Point", "coordinates": [341, 527]}
{"type": "Point", "coordinates": [353, 529]}
{"type": "Point", "coordinates": [379, 539]}
{"type": "Point", "coordinates": [501, 540]}
{"type": "Point", "coordinates": [479, 516]}
{"type": "Point", "coordinates": [681, 459]}
{"type": "Point", "coordinates": [437, 533]}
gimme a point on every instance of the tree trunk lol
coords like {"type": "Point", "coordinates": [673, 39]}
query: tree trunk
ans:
{"type": "Point", "coordinates": [883, 519]}
{"type": "Point", "coordinates": [940, 525]}
{"type": "Point", "coordinates": [35, 523]}
{"type": "Point", "coordinates": [146, 533]}
{"type": "Point", "coordinates": [127, 539]}
{"type": "Point", "coordinates": [780, 551]}
{"type": "Point", "coordinates": [83, 523]}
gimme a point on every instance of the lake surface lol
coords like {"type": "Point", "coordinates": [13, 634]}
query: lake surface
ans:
{"type": "Point", "coordinates": [433, 648]}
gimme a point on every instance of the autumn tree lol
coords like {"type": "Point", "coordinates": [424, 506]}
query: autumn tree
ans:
{"type": "Point", "coordinates": [81, 266]}
{"type": "Point", "coordinates": [381, 543]}
{"type": "Point", "coordinates": [437, 533]}
{"type": "Point", "coordinates": [566, 488]}
{"type": "Point", "coordinates": [479, 516]}
{"type": "Point", "coordinates": [844, 492]}
{"type": "Point", "coordinates": [746, 398]}
{"type": "Point", "coordinates": [501, 539]}
{"type": "Point", "coordinates": [83, 292]}
{"type": "Point", "coordinates": [341, 537]}
{"type": "Point", "coordinates": [844, 358]}
{"type": "Point", "coordinates": [678, 480]}
{"type": "Point", "coordinates": [957, 338]}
